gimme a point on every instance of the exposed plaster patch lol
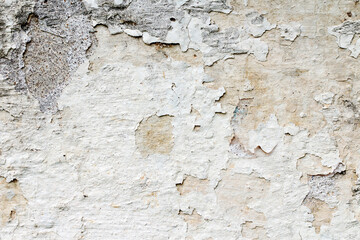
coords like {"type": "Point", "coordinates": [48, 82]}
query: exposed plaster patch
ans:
{"type": "Point", "coordinates": [193, 220]}
{"type": "Point", "coordinates": [237, 148]}
{"type": "Point", "coordinates": [46, 69]}
{"type": "Point", "coordinates": [193, 184]}
{"type": "Point", "coordinates": [321, 211]}
{"type": "Point", "coordinates": [323, 197]}
{"type": "Point", "coordinates": [323, 188]}
{"type": "Point", "coordinates": [53, 43]}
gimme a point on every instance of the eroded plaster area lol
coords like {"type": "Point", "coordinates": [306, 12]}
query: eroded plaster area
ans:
{"type": "Point", "coordinates": [127, 119]}
{"type": "Point", "coordinates": [185, 23]}
{"type": "Point", "coordinates": [44, 42]}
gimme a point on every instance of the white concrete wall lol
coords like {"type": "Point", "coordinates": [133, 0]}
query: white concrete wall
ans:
{"type": "Point", "coordinates": [179, 119]}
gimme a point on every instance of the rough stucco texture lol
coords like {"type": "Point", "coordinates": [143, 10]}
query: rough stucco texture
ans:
{"type": "Point", "coordinates": [179, 119]}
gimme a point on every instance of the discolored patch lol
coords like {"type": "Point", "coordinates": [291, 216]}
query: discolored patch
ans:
{"type": "Point", "coordinates": [193, 220]}
{"type": "Point", "coordinates": [154, 135]}
{"type": "Point", "coordinates": [12, 200]}
{"type": "Point", "coordinates": [193, 184]}
{"type": "Point", "coordinates": [321, 211]}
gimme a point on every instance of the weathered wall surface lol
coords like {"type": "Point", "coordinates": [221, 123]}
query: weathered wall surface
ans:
{"type": "Point", "coordinates": [179, 119]}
